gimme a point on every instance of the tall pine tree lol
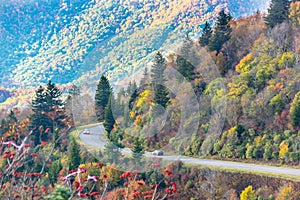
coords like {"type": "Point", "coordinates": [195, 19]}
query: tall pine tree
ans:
{"type": "Point", "coordinates": [109, 120]}
{"type": "Point", "coordinates": [158, 81]}
{"type": "Point", "coordinates": [137, 150]}
{"type": "Point", "coordinates": [206, 35]}
{"type": "Point", "coordinates": [48, 112]}
{"type": "Point", "coordinates": [221, 33]}
{"type": "Point", "coordinates": [102, 95]}
{"type": "Point", "coordinates": [73, 155]}
{"type": "Point", "coordinates": [185, 68]}
{"type": "Point", "coordinates": [278, 12]}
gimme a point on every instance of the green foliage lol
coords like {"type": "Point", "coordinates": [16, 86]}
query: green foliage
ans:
{"type": "Point", "coordinates": [53, 172]}
{"type": "Point", "coordinates": [287, 60]}
{"type": "Point", "coordinates": [60, 193]}
{"type": "Point", "coordinates": [111, 152]}
{"type": "Point", "coordinates": [222, 32]}
{"type": "Point", "coordinates": [109, 120]}
{"type": "Point", "coordinates": [295, 110]}
{"type": "Point", "coordinates": [102, 95]}
{"type": "Point", "coordinates": [74, 159]}
{"type": "Point", "coordinates": [206, 35]}
{"type": "Point", "coordinates": [12, 117]}
{"type": "Point", "coordinates": [157, 81]}
{"type": "Point", "coordinates": [185, 68]}
{"type": "Point", "coordinates": [278, 12]}
{"type": "Point", "coordinates": [277, 103]}
{"type": "Point", "coordinates": [48, 112]}
{"type": "Point", "coordinates": [137, 150]}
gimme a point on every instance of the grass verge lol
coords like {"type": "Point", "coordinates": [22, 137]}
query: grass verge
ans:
{"type": "Point", "coordinates": [232, 170]}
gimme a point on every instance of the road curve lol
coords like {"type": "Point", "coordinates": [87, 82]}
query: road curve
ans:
{"type": "Point", "coordinates": [94, 139]}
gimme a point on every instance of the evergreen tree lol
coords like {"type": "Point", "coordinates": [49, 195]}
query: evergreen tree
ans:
{"type": "Point", "coordinates": [126, 116]}
{"type": "Point", "coordinates": [186, 48]}
{"type": "Point", "coordinates": [73, 155]}
{"type": "Point", "coordinates": [102, 95]}
{"type": "Point", "coordinates": [185, 68]}
{"type": "Point", "coordinates": [55, 105]}
{"type": "Point", "coordinates": [206, 35]}
{"type": "Point", "coordinates": [145, 80]}
{"type": "Point", "coordinates": [72, 99]}
{"type": "Point", "coordinates": [157, 70]}
{"type": "Point", "coordinates": [109, 119]}
{"type": "Point", "coordinates": [157, 81]}
{"type": "Point", "coordinates": [60, 192]}
{"type": "Point", "coordinates": [278, 12]}
{"type": "Point", "coordinates": [112, 153]}
{"type": "Point", "coordinates": [53, 172]}
{"type": "Point", "coordinates": [137, 150]}
{"type": "Point", "coordinates": [295, 111]}
{"type": "Point", "coordinates": [4, 127]}
{"type": "Point", "coordinates": [119, 104]}
{"type": "Point", "coordinates": [12, 117]}
{"type": "Point", "coordinates": [48, 112]}
{"type": "Point", "coordinates": [132, 99]}
{"type": "Point", "coordinates": [161, 96]}
{"type": "Point", "coordinates": [221, 33]}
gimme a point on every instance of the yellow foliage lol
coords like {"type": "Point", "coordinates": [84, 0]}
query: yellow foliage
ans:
{"type": "Point", "coordinates": [232, 130]}
{"type": "Point", "coordinates": [112, 172]}
{"type": "Point", "coordinates": [248, 194]}
{"type": "Point", "coordinates": [285, 193]}
{"type": "Point", "coordinates": [237, 89]}
{"type": "Point", "coordinates": [258, 141]}
{"type": "Point", "coordinates": [295, 13]}
{"type": "Point", "coordinates": [132, 114]}
{"type": "Point", "coordinates": [143, 98]}
{"type": "Point", "coordinates": [284, 147]}
{"type": "Point", "coordinates": [139, 121]}
{"type": "Point", "coordinates": [245, 64]}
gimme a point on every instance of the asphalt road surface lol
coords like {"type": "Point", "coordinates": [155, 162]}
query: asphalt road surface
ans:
{"type": "Point", "coordinates": [94, 139]}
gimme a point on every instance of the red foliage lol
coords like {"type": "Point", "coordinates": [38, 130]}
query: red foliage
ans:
{"type": "Point", "coordinates": [125, 175]}
{"type": "Point", "coordinates": [155, 165]}
{"type": "Point", "coordinates": [47, 130]}
{"type": "Point", "coordinates": [99, 164]}
{"type": "Point", "coordinates": [168, 172]}
{"type": "Point", "coordinates": [43, 143]}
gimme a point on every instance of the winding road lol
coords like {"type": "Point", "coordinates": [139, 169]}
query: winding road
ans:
{"type": "Point", "coordinates": [96, 132]}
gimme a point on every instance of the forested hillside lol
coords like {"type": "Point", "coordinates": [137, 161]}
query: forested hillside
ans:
{"type": "Point", "coordinates": [235, 92]}
{"type": "Point", "coordinates": [66, 40]}
{"type": "Point", "coordinates": [231, 92]}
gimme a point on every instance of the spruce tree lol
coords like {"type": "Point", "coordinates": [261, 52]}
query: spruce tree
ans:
{"type": "Point", "coordinates": [206, 35]}
{"type": "Point", "coordinates": [186, 47]}
{"type": "Point", "coordinates": [278, 12]}
{"type": "Point", "coordinates": [53, 172]}
{"type": "Point", "coordinates": [132, 99]}
{"type": "Point", "coordinates": [55, 105]}
{"type": "Point", "coordinates": [295, 111]}
{"type": "Point", "coordinates": [221, 33]}
{"type": "Point", "coordinates": [39, 122]}
{"type": "Point", "coordinates": [109, 119]}
{"type": "Point", "coordinates": [12, 117]}
{"type": "Point", "coordinates": [185, 68]}
{"type": "Point", "coordinates": [73, 155]}
{"type": "Point", "coordinates": [158, 82]}
{"type": "Point", "coordinates": [137, 150]}
{"type": "Point", "coordinates": [145, 80]}
{"type": "Point", "coordinates": [112, 153]}
{"type": "Point", "coordinates": [102, 95]}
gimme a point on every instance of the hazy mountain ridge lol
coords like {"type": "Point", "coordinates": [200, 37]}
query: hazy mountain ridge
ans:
{"type": "Point", "coordinates": [88, 38]}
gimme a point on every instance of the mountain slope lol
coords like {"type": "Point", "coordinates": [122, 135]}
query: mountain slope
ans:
{"type": "Point", "coordinates": [69, 40]}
